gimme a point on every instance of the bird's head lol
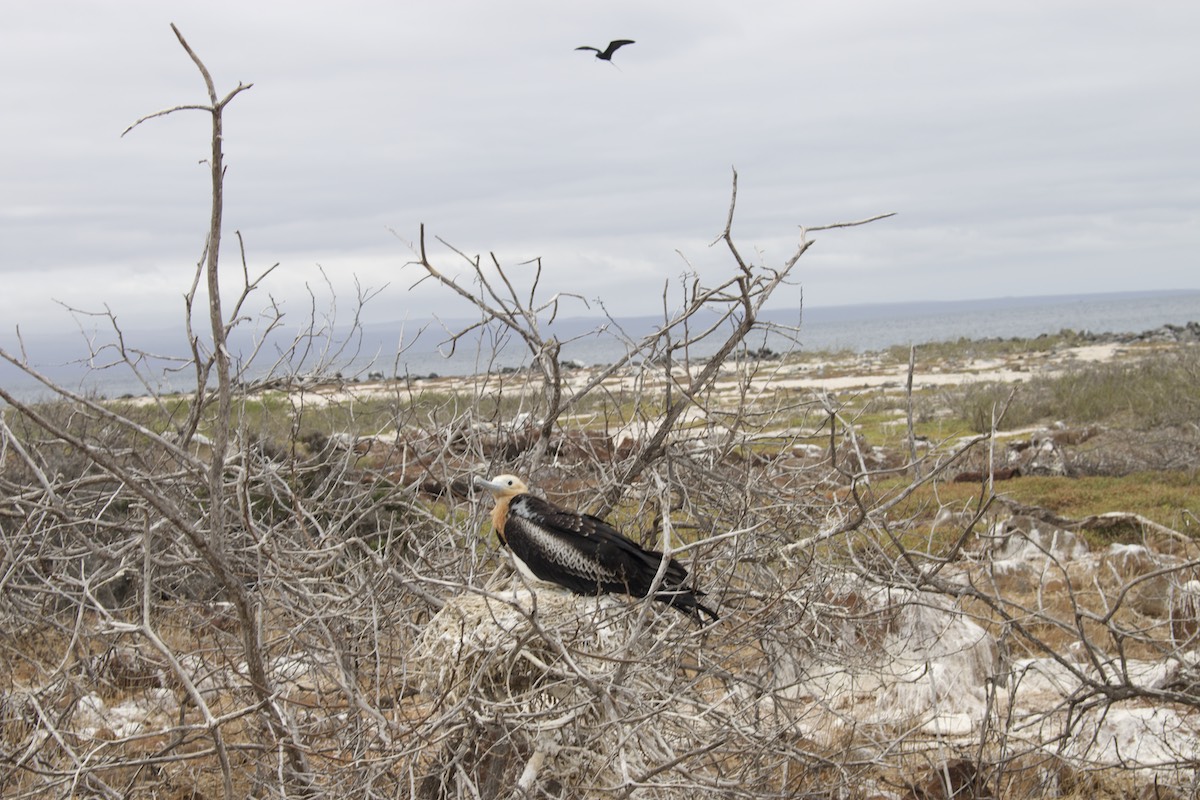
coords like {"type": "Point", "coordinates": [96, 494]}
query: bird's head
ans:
{"type": "Point", "coordinates": [503, 486]}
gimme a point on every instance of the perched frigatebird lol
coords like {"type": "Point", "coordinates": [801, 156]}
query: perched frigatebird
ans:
{"type": "Point", "coordinates": [607, 53]}
{"type": "Point", "coordinates": [583, 553]}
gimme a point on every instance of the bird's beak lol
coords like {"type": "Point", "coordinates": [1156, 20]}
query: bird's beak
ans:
{"type": "Point", "coordinates": [483, 483]}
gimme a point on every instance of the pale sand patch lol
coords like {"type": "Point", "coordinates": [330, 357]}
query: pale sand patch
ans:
{"type": "Point", "coordinates": [864, 371]}
{"type": "Point", "coordinates": [1000, 370]}
{"type": "Point", "coordinates": [1095, 352]}
{"type": "Point", "coordinates": [860, 371]}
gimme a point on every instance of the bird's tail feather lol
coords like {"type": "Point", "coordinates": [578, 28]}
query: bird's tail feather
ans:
{"type": "Point", "coordinates": [688, 601]}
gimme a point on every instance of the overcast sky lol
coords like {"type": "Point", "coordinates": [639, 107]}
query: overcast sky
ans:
{"type": "Point", "coordinates": [1028, 148]}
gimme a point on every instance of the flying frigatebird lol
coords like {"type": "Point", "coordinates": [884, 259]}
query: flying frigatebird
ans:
{"type": "Point", "coordinates": [607, 53]}
{"type": "Point", "coordinates": [583, 553]}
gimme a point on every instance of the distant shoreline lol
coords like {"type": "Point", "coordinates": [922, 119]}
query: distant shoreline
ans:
{"type": "Point", "coordinates": [857, 328]}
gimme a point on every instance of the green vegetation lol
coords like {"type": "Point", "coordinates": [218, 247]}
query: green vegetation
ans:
{"type": "Point", "coordinates": [964, 349]}
{"type": "Point", "coordinates": [1157, 390]}
{"type": "Point", "coordinates": [1171, 499]}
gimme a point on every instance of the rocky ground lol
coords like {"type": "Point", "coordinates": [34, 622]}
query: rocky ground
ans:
{"type": "Point", "coordinates": [1032, 657]}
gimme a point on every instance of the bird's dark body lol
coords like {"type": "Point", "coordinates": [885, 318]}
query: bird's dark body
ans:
{"type": "Point", "coordinates": [607, 53]}
{"type": "Point", "coordinates": [588, 556]}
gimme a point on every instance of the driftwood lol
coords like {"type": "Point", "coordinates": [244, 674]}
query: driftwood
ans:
{"type": "Point", "coordinates": [1106, 521]}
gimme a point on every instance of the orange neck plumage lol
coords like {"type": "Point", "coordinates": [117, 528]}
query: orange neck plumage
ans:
{"type": "Point", "coordinates": [499, 517]}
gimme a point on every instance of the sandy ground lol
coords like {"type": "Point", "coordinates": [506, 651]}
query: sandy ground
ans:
{"type": "Point", "coordinates": [854, 372]}
{"type": "Point", "coordinates": [1002, 370]}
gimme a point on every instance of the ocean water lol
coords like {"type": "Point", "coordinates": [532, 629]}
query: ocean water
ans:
{"type": "Point", "coordinates": [877, 327]}
{"type": "Point", "coordinates": [375, 349]}
{"type": "Point", "coordinates": [865, 328]}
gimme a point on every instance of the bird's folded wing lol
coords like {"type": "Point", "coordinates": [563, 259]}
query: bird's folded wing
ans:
{"type": "Point", "coordinates": [577, 537]}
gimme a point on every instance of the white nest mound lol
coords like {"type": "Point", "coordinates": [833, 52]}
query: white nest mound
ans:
{"type": "Point", "coordinates": [541, 693]}
{"type": "Point", "coordinates": [510, 645]}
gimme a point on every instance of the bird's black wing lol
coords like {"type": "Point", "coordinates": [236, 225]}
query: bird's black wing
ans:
{"type": "Point", "coordinates": [614, 44]}
{"type": "Point", "coordinates": [673, 589]}
{"type": "Point", "coordinates": [587, 47]}
{"type": "Point", "coordinates": [581, 552]}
